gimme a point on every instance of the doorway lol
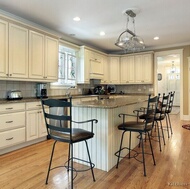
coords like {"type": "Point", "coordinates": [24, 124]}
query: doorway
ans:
{"type": "Point", "coordinates": [169, 75]}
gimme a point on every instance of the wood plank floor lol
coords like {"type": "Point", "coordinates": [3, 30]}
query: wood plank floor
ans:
{"type": "Point", "coordinates": [26, 168]}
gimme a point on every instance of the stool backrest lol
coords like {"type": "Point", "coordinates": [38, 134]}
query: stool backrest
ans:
{"type": "Point", "coordinates": [151, 110]}
{"type": "Point", "coordinates": [170, 102]}
{"type": "Point", "coordinates": [58, 116]}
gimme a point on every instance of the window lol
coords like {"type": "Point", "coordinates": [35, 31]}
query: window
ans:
{"type": "Point", "coordinates": [66, 68]}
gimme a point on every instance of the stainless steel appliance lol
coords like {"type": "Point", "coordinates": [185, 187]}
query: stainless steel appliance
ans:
{"type": "Point", "coordinates": [14, 95]}
{"type": "Point", "coordinates": [41, 90]}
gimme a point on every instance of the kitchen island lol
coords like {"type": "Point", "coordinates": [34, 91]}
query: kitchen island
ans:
{"type": "Point", "coordinates": [107, 137]}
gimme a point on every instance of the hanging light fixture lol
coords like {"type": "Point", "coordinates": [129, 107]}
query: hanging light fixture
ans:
{"type": "Point", "coordinates": [128, 40]}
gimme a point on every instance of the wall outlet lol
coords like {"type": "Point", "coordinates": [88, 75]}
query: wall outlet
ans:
{"type": "Point", "coordinates": [79, 90]}
{"type": "Point", "coordinates": [139, 90]}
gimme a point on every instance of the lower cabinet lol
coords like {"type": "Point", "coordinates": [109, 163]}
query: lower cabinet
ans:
{"type": "Point", "coordinates": [35, 124]}
{"type": "Point", "coordinates": [12, 137]}
{"type": "Point", "coordinates": [12, 124]}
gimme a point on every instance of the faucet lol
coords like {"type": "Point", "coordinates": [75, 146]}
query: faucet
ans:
{"type": "Point", "coordinates": [68, 93]}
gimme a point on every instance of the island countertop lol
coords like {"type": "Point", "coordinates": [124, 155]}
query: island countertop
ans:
{"type": "Point", "coordinates": [112, 102]}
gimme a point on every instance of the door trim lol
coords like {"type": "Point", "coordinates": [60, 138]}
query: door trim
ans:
{"type": "Point", "coordinates": [165, 53]}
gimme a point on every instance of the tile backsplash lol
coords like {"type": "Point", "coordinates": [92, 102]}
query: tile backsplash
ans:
{"type": "Point", "coordinates": [28, 89]}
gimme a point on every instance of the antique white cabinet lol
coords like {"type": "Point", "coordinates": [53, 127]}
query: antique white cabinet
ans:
{"type": "Point", "coordinates": [12, 124]}
{"type": "Point", "coordinates": [35, 124]}
{"type": "Point", "coordinates": [3, 48]}
{"type": "Point", "coordinates": [127, 68]}
{"type": "Point", "coordinates": [43, 57]}
{"type": "Point", "coordinates": [144, 68]}
{"type": "Point", "coordinates": [105, 79]}
{"type": "Point", "coordinates": [18, 51]}
{"type": "Point", "coordinates": [114, 69]}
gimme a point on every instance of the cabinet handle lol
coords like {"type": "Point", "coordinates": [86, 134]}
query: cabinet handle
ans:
{"type": "Point", "coordinates": [10, 74]}
{"type": "Point", "coordinates": [9, 138]}
{"type": "Point", "coordinates": [38, 105]}
{"type": "Point", "coordinates": [9, 121]}
{"type": "Point", "coordinates": [9, 108]}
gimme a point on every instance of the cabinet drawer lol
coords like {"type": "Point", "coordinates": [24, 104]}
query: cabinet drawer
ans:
{"type": "Point", "coordinates": [33, 105]}
{"type": "Point", "coordinates": [12, 107]}
{"type": "Point", "coordinates": [12, 137]}
{"type": "Point", "coordinates": [13, 120]}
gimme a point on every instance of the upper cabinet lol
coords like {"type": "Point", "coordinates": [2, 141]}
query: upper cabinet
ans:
{"type": "Point", "coordinates": [27, 53]}
{"type": "Point", "coordinates": [36, 55]}
{"type": "Point", "coordinates": [43, 57]}
{"type": "Point", "coordinates": [127, 67]}
{"type": "Point", "coordinates": [18, 51]}
{"type": "Point", "coordinates": [51, 58]}
{"type": "Point", "coordinates": [114, 69]}
{"type": "Point", "coordinates": [105, 79]}
{"type": "Point", "coordinates": [137, 69]}
{"type": "Point", "coordinates": [13, 50]}
{"type": "Point", "coordinates": [144, 68]}
{"type": "Point", "coordinates": [90, 65]}
{"type": "Point", "coordinates": [3, 48]}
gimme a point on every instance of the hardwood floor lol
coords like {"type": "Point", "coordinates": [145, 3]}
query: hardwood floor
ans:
{"type": "Point", "coordinates": [26, 168]}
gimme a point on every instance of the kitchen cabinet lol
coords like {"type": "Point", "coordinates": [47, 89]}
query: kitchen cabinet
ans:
{"type": "Point", "coordinates": [90, 65]}
{"type": "Point", "coordinates": [12, 124]}
{"type": "Point", "coordinates": [83, 75]}
{"type": "Point", "coordinates": [51, 58]}
{"type": "Point", "coordinates": [127, 69]}
{"type": "Point", "coordinates": [114, 69]}
{"type": "Point", "coordinates": [96, 65]}
{"type": "Point", "coordinates": [43, 57]}
{"type": "Point", "coordinates": [3, 48]}
{"type": "Point", "coordinates": [105, 79]}
{"type": "Point", "coordinates": [18, 52]}
{"type": "Point", "coordinates": [35, 124]}
{"type": "Point", "coordinates": [144, 69]}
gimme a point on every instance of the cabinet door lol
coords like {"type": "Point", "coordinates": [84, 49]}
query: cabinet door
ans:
{"type": "Point", "coordinates": [105, 79]}
{"type": "Point", "coordinates": [18, 51]}
{"type": "Point", "coordinates": [143, 68]}
{"type": "Point", "coordinates": [114, 70]}
{"type": "Point", "coordinates": [41, 123]}
{"type": "Point", "coordinates": [51, 58]}
{"type": "Point", "coordinates": [32, 124]}
{"type": "Point", "coordinates": [36, 55]}
{"type": "Point", "coordinates": [139, 69]}
{"type": "Point", "coordinates": [148, 68]}
{"type": "Point", "coordinates": [3, 48]}
{"type": "Point", "coordinates": [127, 70]}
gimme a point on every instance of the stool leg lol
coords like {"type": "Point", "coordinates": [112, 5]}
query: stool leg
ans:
{"type": "Point", "coordinates": [130, 145]}
{"type": "Point", "coordinates": [143, 155]}
{"type": "Point", "coordinates": [90, 161]}
{"type": "Point", "coordinates": [167, 126]}
{"type": "Point", "coordinates": [151, 148]}
{"type": "Point", "coordinates": [159, 136]}
{"type": "Point", "coordinates": [162, 132]}
{"type": "Point", "coordinates": [71, 150]}
{"type": "Point", "coordinates": [120, 149]}
{"type": "Point", "coordinates": [170, 123]}
{"type": "Point", "coordinates": [49, 168]}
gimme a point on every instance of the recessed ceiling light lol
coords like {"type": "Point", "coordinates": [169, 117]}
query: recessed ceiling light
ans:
{"type": "Point", "coordinates": [156, 38]}
{"type": "Point", "coordinates": [76, 19]}
{"type": "Point", "coordinates": [102, 33]}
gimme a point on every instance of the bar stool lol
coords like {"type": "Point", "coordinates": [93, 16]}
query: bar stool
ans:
{"type": "Point", "coordinates": [141, 127]}
{"type": "Point", "coordinates": [59, 128]}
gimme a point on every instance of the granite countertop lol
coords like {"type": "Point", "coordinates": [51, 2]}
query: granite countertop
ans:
{"type": "Point", "coordinates": [34, 99]}
{"type": "Point", "coordinates": [122, 100]}
{"type": "Point", "coordinates": [113, 102]}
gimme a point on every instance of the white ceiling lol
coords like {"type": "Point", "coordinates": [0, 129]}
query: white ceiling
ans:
{"type": "Point", "coordinates": [168, 19]}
